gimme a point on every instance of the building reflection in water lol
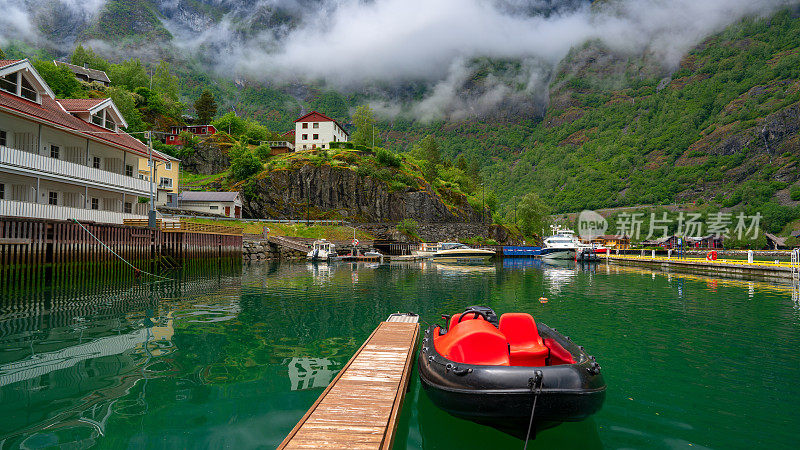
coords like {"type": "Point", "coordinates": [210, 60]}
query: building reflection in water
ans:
{"type": "Point", "coordinates": [68, 364]}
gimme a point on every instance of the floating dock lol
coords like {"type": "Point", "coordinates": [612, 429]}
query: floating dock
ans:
{"type": "Point", "coordinates": [361, 406]}
{"type": "Point", "coordinates": [763, 269]}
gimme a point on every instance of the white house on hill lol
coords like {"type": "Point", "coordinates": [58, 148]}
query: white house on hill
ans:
{"type": "Point", "coordinates": [65, 158]}
{"type": "Point", "coordinates": [316, 130]}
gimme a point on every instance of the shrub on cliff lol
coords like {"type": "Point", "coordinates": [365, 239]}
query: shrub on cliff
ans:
{"type": "Point", "coordinates": [388, 158]}
{"type": "Point", "coordinates": [244, 162]}
{"type": "Point", "coordinates": [409, 227]}
{"type": "Point", "coordinates": [264, 152]}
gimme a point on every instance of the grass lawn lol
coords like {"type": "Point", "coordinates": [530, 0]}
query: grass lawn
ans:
{"type": "Point", "coordinates": [333, 232]}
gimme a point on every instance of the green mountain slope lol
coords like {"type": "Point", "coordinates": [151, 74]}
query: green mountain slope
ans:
{"type": "Point", "coordinates": [723, 127]}
{"type": "Point", "coordinates": [127, 19]}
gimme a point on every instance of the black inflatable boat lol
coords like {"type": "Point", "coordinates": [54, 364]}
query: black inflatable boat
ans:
{"type": "Point", "coordinates": [493, 371]}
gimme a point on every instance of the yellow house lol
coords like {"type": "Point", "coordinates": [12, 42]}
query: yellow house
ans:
{"type": "Point", "coordinates": [166, 176]}
{"type": "Point", "coordinates": [613, 241]}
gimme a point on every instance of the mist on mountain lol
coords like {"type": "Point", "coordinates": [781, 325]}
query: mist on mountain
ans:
{"type": "Point", "coordinates": [475, 57]}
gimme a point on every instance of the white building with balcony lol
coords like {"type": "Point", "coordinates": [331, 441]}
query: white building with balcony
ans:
{"type": "Point", "coordinates": [65, 158]}
{"type": "Point", "coordinates": [316, 130]}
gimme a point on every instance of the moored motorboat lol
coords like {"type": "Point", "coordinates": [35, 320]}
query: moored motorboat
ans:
{"type": "Point", "coordinates": [454, 252]}
{"type": "Point", "coordinates": [322, 250]}
{"type": "Point", "coordinates": [493, 371]}
{"type": "Point", "coordinates": [561, 245]}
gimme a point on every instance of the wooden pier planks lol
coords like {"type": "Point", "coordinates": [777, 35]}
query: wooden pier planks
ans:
{"type": "Point", "coordinates": [360, 408]}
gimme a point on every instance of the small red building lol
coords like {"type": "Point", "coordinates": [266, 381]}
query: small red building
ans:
{"type": "Point", "coordinates": [173, 137]}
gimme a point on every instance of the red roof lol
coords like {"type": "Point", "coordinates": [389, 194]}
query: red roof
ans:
{"type": "Point", "coordinates": [80, 104]}
{"type": "Point", "coordinates": [7, 62]}
{"type": "Point", "coordinates": [289, 133]}
{"type": "Point", "coordinates": [315, 116]}
{"type": "Point", "coordinates": [51, 113]}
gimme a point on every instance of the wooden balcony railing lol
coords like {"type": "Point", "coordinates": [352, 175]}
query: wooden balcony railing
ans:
{"type": "Point", "coordinates": [184, 226]}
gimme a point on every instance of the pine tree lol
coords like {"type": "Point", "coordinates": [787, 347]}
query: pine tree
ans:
{"type": "Point", "coordinates": [205, 107]}
{"type": "Point", "coordinates": [2, 54]}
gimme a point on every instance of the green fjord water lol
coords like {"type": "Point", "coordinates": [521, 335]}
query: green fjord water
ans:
{"type": "Point", "coordinates": [233, 358]}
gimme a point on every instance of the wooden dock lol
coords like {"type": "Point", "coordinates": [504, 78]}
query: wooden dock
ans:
{"type": "Point", "coordinates": [361, 406]}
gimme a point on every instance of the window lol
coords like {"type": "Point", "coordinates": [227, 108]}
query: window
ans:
{"type": "Point", "coordinates": [97, 119]}
{"type": "Point", "coordinates": [95, 203]}
{"type": "Point", "coordinates": [316, 136]}
{"type": "Point", "coordinates": [110, 124]}
{"type": "Point", "coordinates": [205, 130]}
{"type": "Point", "coordinates": [128, 207]}
{"type": "Point", "coordinates": [213, 207]}
{"type": "Point", "coordinates": [2, 191]}
{"type": "Point", "coordinates": [305, 124]}
{"type": "Point", "coordinates": [170, 199]}
{"type": "Point", "coordinates": [316, 125]}
{"type": "Point", "coordinates": [3, 138]}
{"type": "Point", "coordinates": [8, 83]}
{"type": "Point", "coordinates": [168, 166]}
{"type": "Point", "coordinates": [54, 151]}
{"type": "Point", "coordinates": [165, 182]}
{"type": "Point", "coordinates": [323, 145]}
{"type": "Point", "coordinates": [96, 162]}
{"type": "Point", "coordinates": [52, 198]}
{"type": "Point", "coordinates": [128, 170]}
{"type": "Point", "coordinates": [304, 147]}
{"type": "Point", "coordinates": [28, 91]}
{"type": "Point", "coordinates": [305, 137]}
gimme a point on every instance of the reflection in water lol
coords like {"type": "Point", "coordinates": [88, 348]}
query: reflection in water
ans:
{"type": "Point", "coordinates": [558, 277]}
{"type": "Point", "coordinates": [233, 360]}
{"type": "Point", "coordinates": [462, 269]}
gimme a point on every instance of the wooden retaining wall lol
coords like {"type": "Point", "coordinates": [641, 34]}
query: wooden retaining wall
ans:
{"type": "Point", "coordinates": [66, 249]}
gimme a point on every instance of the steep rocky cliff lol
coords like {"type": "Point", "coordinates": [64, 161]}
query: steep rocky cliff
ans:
{"type": "Point", "coordinates": [326, 191]}
{"type": "Point", "coordinates": [208, 159]}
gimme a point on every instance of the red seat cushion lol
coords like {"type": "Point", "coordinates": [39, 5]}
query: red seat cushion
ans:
{"type": "Point", "coordinates": [473, 342]}
{"type": "Point", "coordinates": [527, 347]}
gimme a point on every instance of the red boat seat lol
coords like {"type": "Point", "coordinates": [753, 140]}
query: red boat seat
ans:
{"type": "Point", "coordinates": [470, 316]}
{"type": "Point", "coordinates": [527, 347]}
{"type": "Point", "coordinates": [473, 342]}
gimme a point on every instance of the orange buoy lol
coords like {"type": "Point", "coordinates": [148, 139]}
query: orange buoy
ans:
{"type": "Point", "coordinates": [542, 299]}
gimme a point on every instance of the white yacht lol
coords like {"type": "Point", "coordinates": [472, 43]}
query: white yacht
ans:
{"type": "Point", "coordinates": [561, 245]}
{"type": "Point", "coordinates": [322, 250]}
{"type": "Point", "coordinates": [427, 249]}
{"type": "Point", "coordinates": [455, 252]}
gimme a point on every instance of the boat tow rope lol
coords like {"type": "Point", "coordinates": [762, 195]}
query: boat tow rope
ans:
{"type": "Point", "coordinates": [115, 253]}
{"type": "Point", "coordinates": [535, 384]}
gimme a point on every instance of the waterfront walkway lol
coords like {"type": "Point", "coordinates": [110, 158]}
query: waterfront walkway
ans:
{"type": "Point", "coordinates": [361, 406]}
{"type": "Point", "coordinates": [776, 269]}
